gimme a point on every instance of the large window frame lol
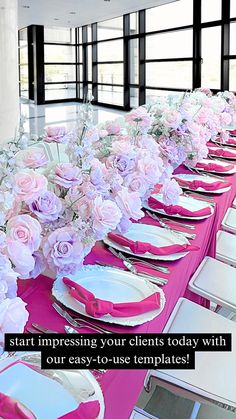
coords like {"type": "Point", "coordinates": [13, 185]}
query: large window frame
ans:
{"type": "Point", "coordinates": [87, 42]}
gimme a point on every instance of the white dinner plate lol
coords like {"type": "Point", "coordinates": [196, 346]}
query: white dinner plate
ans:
{"type": "Point", "coordinates": [187, 202]}
{"type": "Point", "coordinates": [111, 284]}
{"type": "Point", "coordinates": [219, 163]}
{"type": "Point", "coordinates": [206, 179]}
{"type": "Point", "coordinates": [62, 390]}
{"type": "Point", "coordinates": [230, 150]}
{"type": "Point", "coordinates": [154, 235]}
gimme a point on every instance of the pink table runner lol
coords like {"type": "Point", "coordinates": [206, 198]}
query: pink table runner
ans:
{"type": "Point", "coordinates": [121, 388]}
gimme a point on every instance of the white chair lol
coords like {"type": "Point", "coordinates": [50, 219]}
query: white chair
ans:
{"type": "Point", "coordinates": [216, 281]}
{"type": "Point", "coordinates": [234, 203]}
{"type": "Point", "coordinates": [213, 381]}
{"type": "Point", "coordinates": [229, 221]}
{"type": "Point", "coordinates": [141, 414]}
{"type": "Point", "coordinates": [226, 247]}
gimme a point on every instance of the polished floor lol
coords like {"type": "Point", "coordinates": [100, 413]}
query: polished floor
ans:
{"type": "Point", "coordinates": [64, 114]}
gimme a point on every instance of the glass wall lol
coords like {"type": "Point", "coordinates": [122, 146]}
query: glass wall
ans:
{"type": "Point", "coordinates": [23, 64]}
{"type": "Point", "coordinates": [59, 63]}
{"type": "Point", "coordinates": [129, 60]}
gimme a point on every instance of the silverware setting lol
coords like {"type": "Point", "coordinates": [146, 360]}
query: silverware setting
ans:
{"type": "Point", "coordinates": [164, 225]}
{"type": "Point", "coordinates": [78, 321]}
{"type": "Point", "coordinates": [151, 278]}
{"type": "Point", "coordinates": [120, 255]}
{"type": "Point", "coordinates": [189, 226]}
{"type": "Point", "coordinates": [200, 197]}
{"type": "Point", "coordinates": [205, 173]}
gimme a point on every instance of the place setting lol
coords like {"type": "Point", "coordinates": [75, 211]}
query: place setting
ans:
{"type": "Point", "coordinates": [64, 394]}
{"type": "Point", "coordinates": [227, 153]}
{"type": "Point", "coordinates": [216, 167]}
{"type": "Point", "coordinates": [205, 184]}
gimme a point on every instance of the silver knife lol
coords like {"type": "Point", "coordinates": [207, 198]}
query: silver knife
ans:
{"type": "Point", "coordinates": [69, 329]}
{"type": "Point", "coordinates": [152, 278]}
{"type": "Point", "coordinates": [42, 329]}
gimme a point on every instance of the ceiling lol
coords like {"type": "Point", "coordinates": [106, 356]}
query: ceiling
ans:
{"type": "Point", "coordinates": [72, 13]}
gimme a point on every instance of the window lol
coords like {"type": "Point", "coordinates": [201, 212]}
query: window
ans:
{"type": "Point", "coordinates": [110, 51]}
{"type": "Point", "coordinates": [179, 13]}
{"type": "Point", "coordinates": [232, 75]}
{"type": "Point", "coordinates": [110, 73]}
{"type": "Point", "coordinates": [134, 27]}
{"type": "Point", "coordinates": [110, 29]}
{"type": "Point", "coordinates": [23, 64]}
{"type": "Point", "coordinates": [134, 61]}
{"type": "Point", "coordinates": [169, 74]}
{"type": "Point", "coordinates": [60, 91]}
{"type": "Point", "coordinates": [59, 35]}
{"type": "Point", "coordinates": [211, 10]}
{"type": "Point", "coordinates": [59, 54]}
{"type": "Point", "coordinates": [112, 95]}
{"type": "Point", "coordinates": [232, 8]}
{"type": "Point", "coordinates": [151, 95]}
{"type": "Point", "coordinates": [174, 44]}
{"type": "Point", "coordinates": [211, 55]}
{"type": "Point", "coordinates": [59, 73]}
{"type": "Point", "coordinates": [233, 39]}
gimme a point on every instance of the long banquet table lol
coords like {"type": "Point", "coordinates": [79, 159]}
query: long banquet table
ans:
{"type": "Point", "coordinates": [121, 388]}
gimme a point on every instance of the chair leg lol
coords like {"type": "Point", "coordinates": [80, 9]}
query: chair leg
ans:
{"type": "Point", "coordinates": [195, 410]}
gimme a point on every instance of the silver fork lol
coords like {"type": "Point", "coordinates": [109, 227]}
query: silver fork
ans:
{"type": "Point", "coordinates": [201, 197]}
{"type": "Point", "coordinates": [194, 170]}
{"type": "Point", "coordinates": [127, 259]}
{"type": "Point", "coordinates": [190, 226]}
{"type": "Point", "coordinates": [164, 225]}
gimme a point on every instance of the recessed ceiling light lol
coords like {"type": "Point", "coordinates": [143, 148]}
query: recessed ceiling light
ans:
{"type": "Point", "coordinates": [72, 13]}
{"type": "Point", "coordinates": [26, 7]}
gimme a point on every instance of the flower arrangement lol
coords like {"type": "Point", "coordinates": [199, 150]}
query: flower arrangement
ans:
{"type": "Point", "coordinates": [182, 125]}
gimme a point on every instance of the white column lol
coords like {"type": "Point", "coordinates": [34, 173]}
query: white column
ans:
{"type": "Point", "coordinates": [9, 87]}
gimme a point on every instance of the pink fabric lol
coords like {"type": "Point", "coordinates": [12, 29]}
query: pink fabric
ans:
{"type": "Point", "coordinates": [220, 152]}
{"type": "Point", "coordinates": [96, 307]}
{"type": "Point", "coordinates": [214, 167]}
{"type": "Point", "coordinates": [11, 409]}
{"type": "Point", "coordinates": [88, 410]}
{"type": "Point", "coordinates": [233, 132]}
{"type": "Point", "coordinates": [177, 209]}
{"type": "Point", "coordinates": [195, 184]}
{"type": "Point", "coordinates": [231, 141]}
{"type": "Point", "coordinates": [142, 247]}
{"type": "Point", "coordinates": [116, 385]}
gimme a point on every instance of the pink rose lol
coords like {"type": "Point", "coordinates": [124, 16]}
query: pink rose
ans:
{"type": "Point", "coordinates": [171, 192]}
{"type": "Point", "coordinates": [150, 169]}
{"type": "Point", "coordinates": [136, 183]}
{"type": "Point", "coordinates": [129, 203]}
{"type": "Point", "coordinates": [63, 250]}
{"type": "Point", "coordinates": [3, 290]}
{"type": "Point", "coordinates": [26, 230]}
{"type": "Point", "coordinates": [67, 175]}
{"type": "Point", "coordinates": [106, 216]}
{"type": "Point", "coordinates": [39, 266]}
{"type": "Point", "coordinates": [13, 316]}
{"type": "Point", "coordinates": [33, 157]}
{"type": "Point", "coordinates": [47, 207]}
{"type": "Point", "coordinates": [172, 119]}
{"type": "Point", "coordinates": [30, 185]}
{"type": "Point", "coordinates": [21, 257]}
{"type": "Point", "coordinates": [139, 117]}
{"type": "Point", "coordinates": [225, 118]}
{"type": "Point", "coordinates": [122, 147]}
{"type": "Point", "coordinates": [56, 135]}
{"type": "Point", "coordinates": [113, 128]}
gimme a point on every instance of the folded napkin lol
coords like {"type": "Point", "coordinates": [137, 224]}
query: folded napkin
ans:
{"type": "Point", "coordinates": [142, 247]}
{"type": "Point", "coordinates": [231, 141]}
{"type": "Point", "coordinates": [177, 209]}
{"type": "Point", "coordinates": [97, 308]}
{"type": "Point", "coordinates": [233, 132]}
{"type": "Point", "coordinates": [88, 410]}
{"type": "Point", "coordinates": [221, 152]}
{"type": "Point", "coordinates": [214, 167]}
{"type": "Point", "coordinates": [13, 409]}
{"type": "Point", "coordinates": [195, 184]}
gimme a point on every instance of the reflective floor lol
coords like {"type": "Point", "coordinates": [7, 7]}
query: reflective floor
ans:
{"type": "Point", "coordinates": [66, 114]}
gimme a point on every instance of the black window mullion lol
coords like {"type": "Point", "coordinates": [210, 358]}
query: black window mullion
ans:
{"type": "Point", "coordinates": [94, 62]}
{"type": "Point", "coordinates": [85, 62]}
{"type": "Point", "coordinates": [142, 57]}
{"type": "Point", "coordinates": [196, 43]}
{"type": "Point", "coordinates": [225, 47]}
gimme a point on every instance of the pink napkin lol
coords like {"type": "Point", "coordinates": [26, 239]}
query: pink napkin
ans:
{"type": "Point", "coordinates": [221, 152]}
{"type": "Point", "coordinates": [214, 167]}
{"type": "Point", "coordinates": [233, 132]}
{"type": "Point", "coordinates": [142, 247]}
{"type": "Point", "coordinates": [177, 209]}
{"type": "Point", "coordinates": [195, 184]}
{"type": "Point", "coordinates": [12, 409]}
{"type": "Point", "coordinates": [231, 141]}
{"type": "Point", "coordinates": [98, 308]}
{"type": "Point", "coordinates": [88, 410]}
